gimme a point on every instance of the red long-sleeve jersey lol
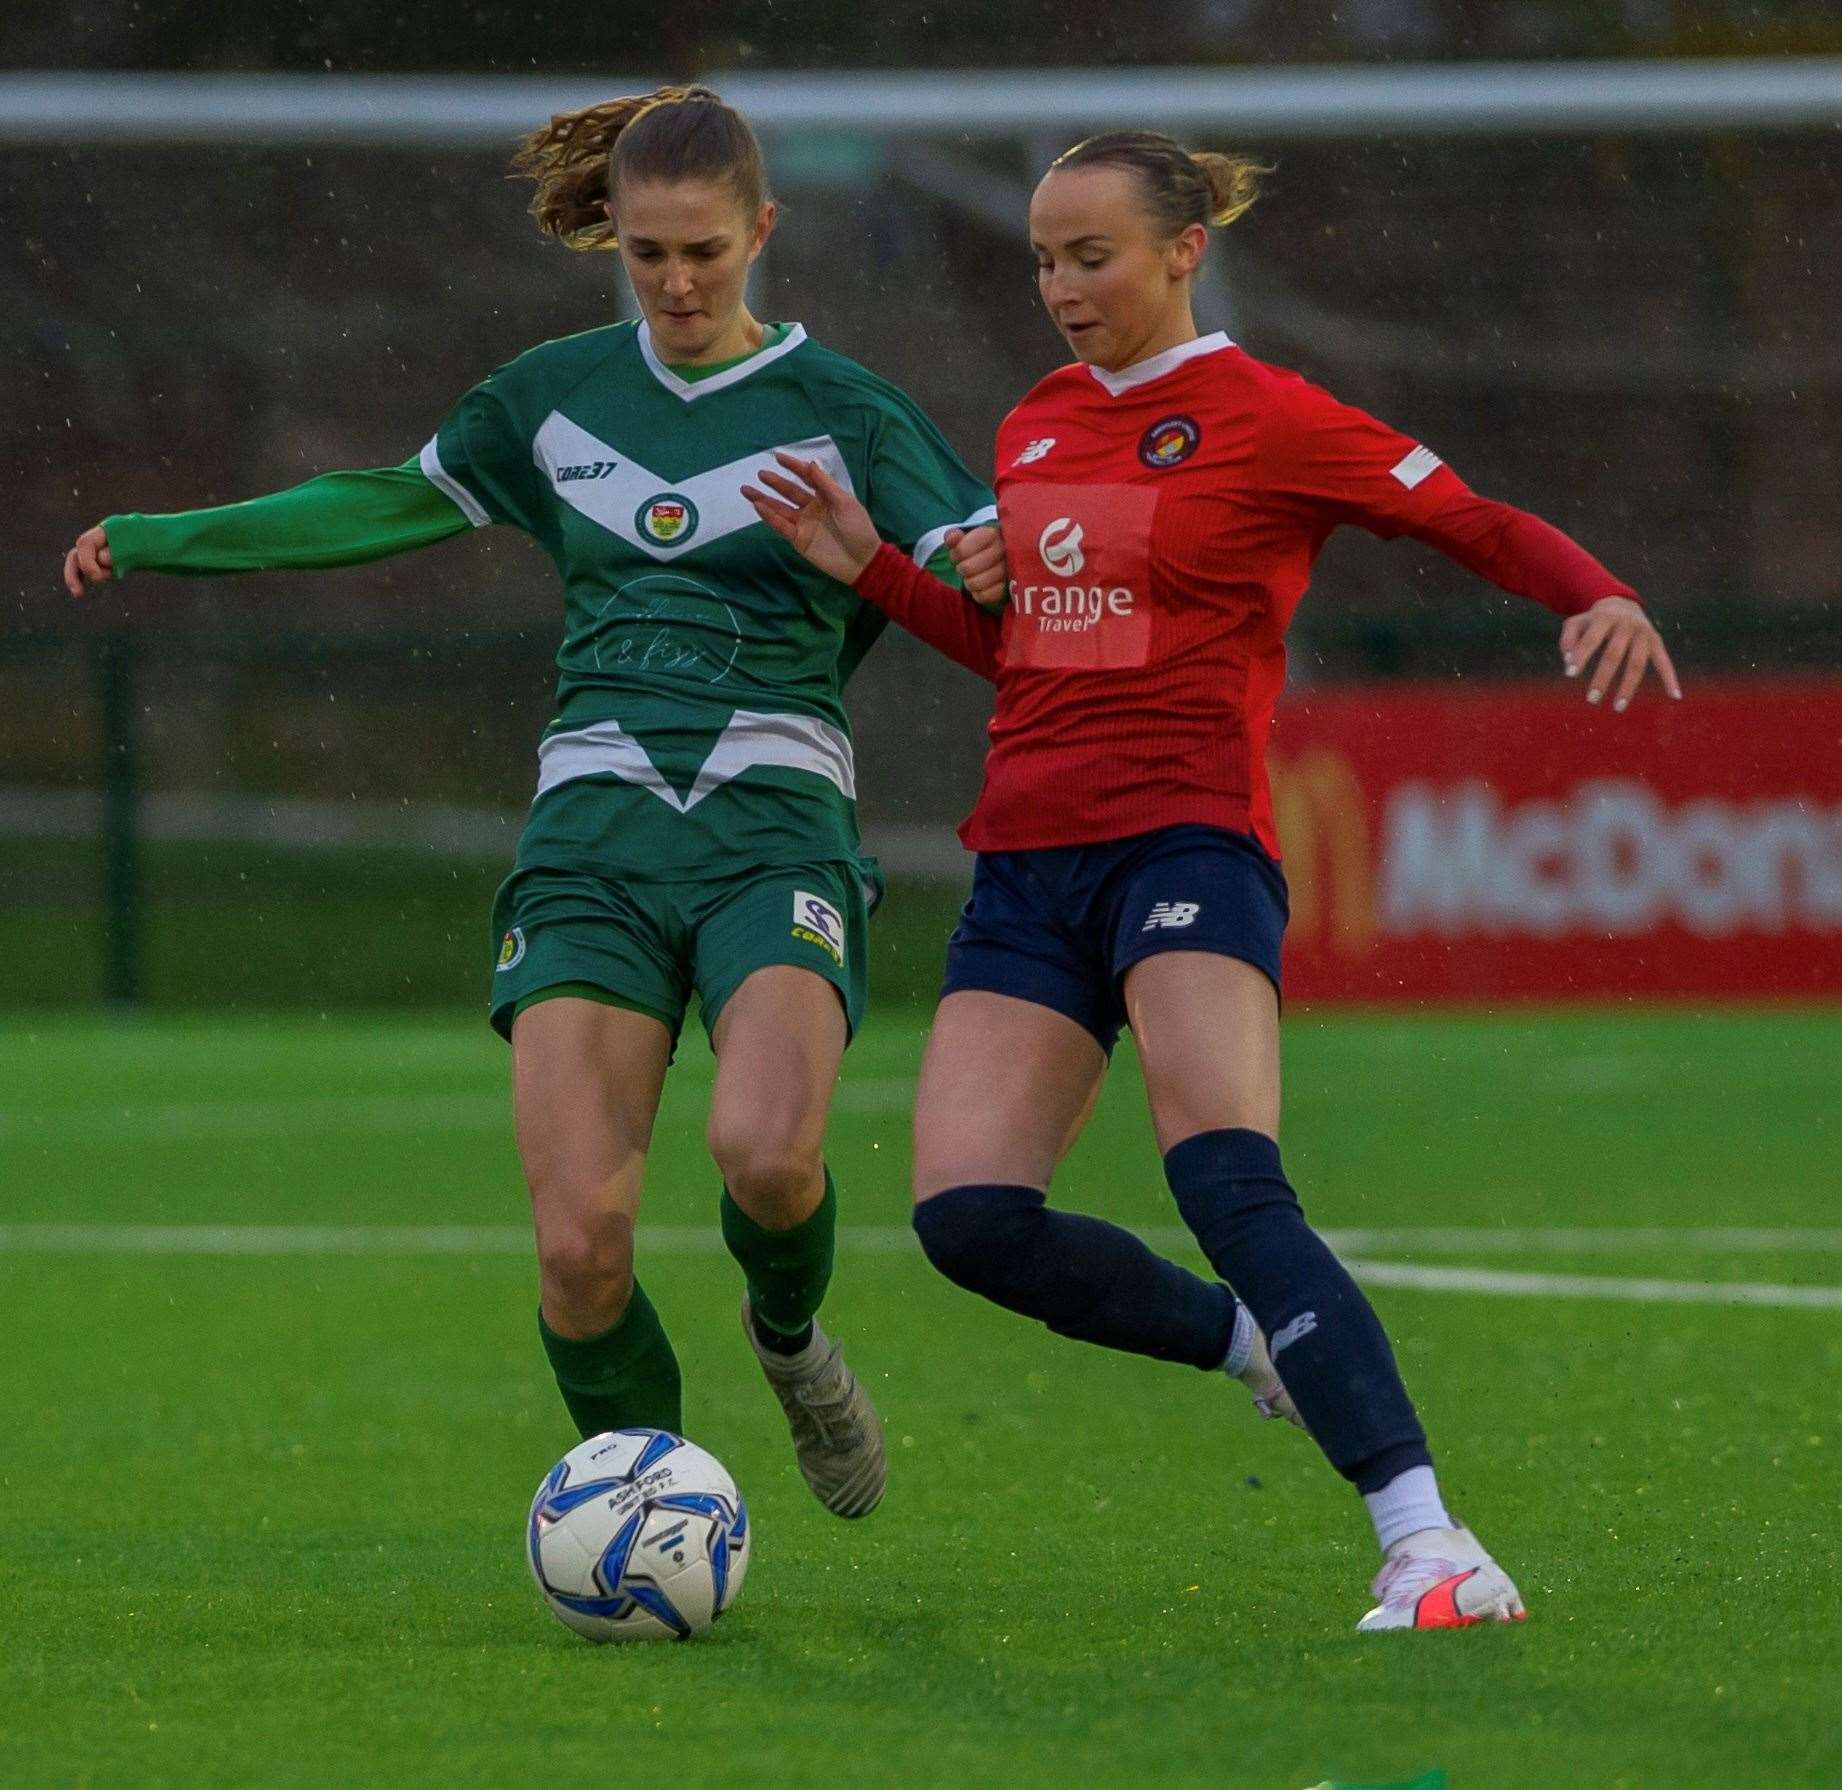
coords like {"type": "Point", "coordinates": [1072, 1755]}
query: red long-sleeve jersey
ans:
{"type": "Point", "coordinates": [1161, 525]}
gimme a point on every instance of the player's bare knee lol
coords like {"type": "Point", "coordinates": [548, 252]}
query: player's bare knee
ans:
{"type": "Point", "coordinates": [585, 1268]}
{"type": "Point", "coordinates": [775, 1175]}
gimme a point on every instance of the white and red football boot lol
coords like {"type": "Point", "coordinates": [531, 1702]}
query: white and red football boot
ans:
{"type": "Point", "coordinates": [1441, 1578]}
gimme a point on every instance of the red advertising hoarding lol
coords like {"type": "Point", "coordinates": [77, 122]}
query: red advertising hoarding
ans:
{"type": "Point", "coordinates": [1444, 843]}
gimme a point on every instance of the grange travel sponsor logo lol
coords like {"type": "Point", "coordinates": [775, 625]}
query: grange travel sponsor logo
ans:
{"type": "Point", "coordinates": [1080, 592]}
{"type": "Point", "coordinates": [1067, 608]}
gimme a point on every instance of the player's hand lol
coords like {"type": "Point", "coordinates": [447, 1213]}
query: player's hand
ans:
{"type": "Point", "coordinates": [978, 558]}
{"type": "Point", "coordinates": [817, 516]}
{"type": "Point", "coordinates": [89, 562]}
{"type": "Point", "coordinates": [1626, 644]}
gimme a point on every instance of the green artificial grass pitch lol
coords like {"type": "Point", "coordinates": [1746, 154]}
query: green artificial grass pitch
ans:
{"type": "Point", "coordinates": [272, 1410]}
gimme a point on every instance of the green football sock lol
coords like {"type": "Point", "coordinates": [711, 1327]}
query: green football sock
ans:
{"type": "Point", "coordinates": [787, 1271]}
{"type": "Point", "coordinates": [625, 1378]}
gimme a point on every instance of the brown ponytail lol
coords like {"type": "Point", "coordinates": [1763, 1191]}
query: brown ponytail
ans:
{"type": "Point", "coordinates": [675, 133]}
{"type": "Point", "coordinates": [1181, 187]}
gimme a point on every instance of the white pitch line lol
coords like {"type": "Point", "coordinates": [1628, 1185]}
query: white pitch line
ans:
{"type": "Point", "coordinates": [513, 1240]}
{"type": "Point", "coordinates": [1593, 1240]}
{"type": "Point", "coordinates": [1503, 1284]}
{"type": "Point", "coordinates": [1486, 1239]}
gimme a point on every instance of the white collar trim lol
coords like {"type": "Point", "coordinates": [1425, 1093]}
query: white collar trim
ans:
{"type": "Point", "coordinates": [1144, 371]}
{"type": "Point", "coordinates": [690, 389]}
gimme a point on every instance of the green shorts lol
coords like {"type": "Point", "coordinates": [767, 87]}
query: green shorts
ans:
{"type": "Point", "coordinates": [650, 946]}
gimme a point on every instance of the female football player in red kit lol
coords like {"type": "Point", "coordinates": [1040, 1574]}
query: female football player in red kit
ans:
{"type": "Point", "coordinates": [1162, 501]}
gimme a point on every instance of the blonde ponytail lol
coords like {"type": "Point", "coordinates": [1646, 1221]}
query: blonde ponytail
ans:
{"type": "Point", "coordinates": [1233, 182]}
{"type": "Point", "coordinates": [1181, 187]}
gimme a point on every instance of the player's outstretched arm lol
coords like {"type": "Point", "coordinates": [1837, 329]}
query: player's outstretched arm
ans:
{"type": "Point", "coordinates": [1625, 643]}
{"type": "Point", "coordinates": [1343, 465]}
{"type": "Point", "coordinates": [337, 519]}
{"type": "Point", "coordinates": [1605, 632]}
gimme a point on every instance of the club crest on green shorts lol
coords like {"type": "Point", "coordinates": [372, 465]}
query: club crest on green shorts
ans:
{"type": "Point", "coordinates": [511, 950]}
{"type": "Point", "coordinates": [817, 922]}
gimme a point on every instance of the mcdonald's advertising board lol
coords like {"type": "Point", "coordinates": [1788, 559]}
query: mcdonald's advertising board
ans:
{"type": "Point", "coordinates": [1514, 842]}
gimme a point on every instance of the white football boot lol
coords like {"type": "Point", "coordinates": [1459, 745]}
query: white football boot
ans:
{"type": "Point", "coordinates": [837, 1435]}
{"type": "Point", "coordinates": [1262, 1379]}
{"type": "Point", "coordinates": [1441, 1578]}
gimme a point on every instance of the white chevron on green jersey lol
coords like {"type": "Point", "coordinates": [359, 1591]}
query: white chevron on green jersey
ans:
{"type": "Point", "coordinates": [616, 493]}
{"type": "Point", "coordinates": [700, 719]}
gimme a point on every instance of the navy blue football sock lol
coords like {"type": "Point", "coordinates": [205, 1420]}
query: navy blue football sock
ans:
{"type": "Point", "coordinates": [1323, 1334]}
{"type": "Point", "coordinates": [1083, 1277]}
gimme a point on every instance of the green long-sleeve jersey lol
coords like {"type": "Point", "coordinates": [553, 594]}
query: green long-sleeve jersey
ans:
{"type": "Point", "coordinates": [700, 722]}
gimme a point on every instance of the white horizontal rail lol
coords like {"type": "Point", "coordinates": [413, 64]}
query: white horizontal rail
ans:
{"type": "Point", "coordinates": [1245, 105]}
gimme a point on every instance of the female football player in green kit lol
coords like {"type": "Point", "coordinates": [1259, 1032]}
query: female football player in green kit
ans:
{"type": "Point", "coordinates": [694, 826]}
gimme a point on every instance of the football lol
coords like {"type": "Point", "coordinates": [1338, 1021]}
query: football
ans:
{"type": "Point", "coordinates": [638, 1535]}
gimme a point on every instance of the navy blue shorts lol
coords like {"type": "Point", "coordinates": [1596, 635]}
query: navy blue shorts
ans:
{"type": "Point", "coordinates": [1061, 926]}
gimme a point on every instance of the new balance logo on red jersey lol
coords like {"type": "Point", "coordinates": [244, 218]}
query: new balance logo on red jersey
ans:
{"type": "Point", "coordinates": [1167, 914]}
{"type": "Point", "coordinates": [1035, 450]}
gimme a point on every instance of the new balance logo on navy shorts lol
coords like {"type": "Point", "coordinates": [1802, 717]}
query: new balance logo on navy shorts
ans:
{"type": "Point", "coordinates": [1172, 913]}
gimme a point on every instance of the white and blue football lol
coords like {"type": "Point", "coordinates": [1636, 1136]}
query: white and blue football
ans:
{"type": "Point", "coordinates": [638, 1535]}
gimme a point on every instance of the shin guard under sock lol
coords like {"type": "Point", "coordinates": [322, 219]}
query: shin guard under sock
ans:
{"type": "Point", "coordinates": [787, 1271]}
{"type": "Point", "coordinates": [1083, 1277]}
{"type": "Point", "coordinates": [1321, 1331]}
{"type": "Point", "coordinates": [625, 1378]}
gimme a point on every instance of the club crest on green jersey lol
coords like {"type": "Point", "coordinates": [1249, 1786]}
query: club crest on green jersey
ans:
{"type": "Point", "coordinates": [669, 518]}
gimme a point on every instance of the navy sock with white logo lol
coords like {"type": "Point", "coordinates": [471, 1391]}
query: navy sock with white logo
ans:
{"type": "Point", "coordinates": [1322, 1333]}
{"type": "Point", "coordinates": [1081, 1276]}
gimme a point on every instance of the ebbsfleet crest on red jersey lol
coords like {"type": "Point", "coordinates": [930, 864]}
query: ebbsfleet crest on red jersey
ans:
{"type": "Point", "coordinates": [1161, 524]}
